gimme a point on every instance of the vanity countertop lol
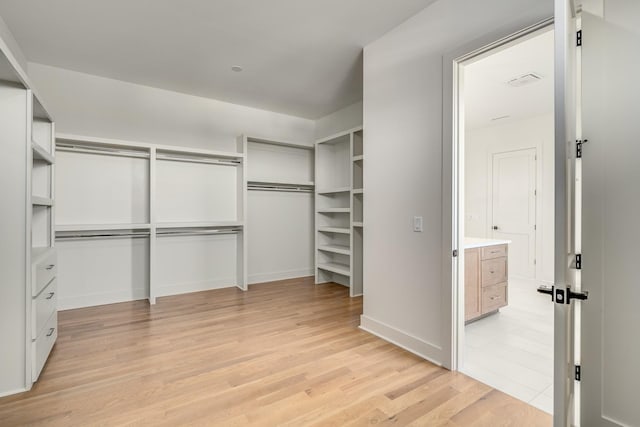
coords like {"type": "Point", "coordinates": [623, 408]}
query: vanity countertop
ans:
{"type": "Point", "coordinates": [477, 242]}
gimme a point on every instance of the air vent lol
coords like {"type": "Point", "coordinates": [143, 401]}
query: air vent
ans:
{"type": "Point", "coordinates": [524, 80]}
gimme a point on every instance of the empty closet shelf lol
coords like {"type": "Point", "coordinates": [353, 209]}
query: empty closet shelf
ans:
{"type": "Point", "coordinates": [334, 190]}
{"type": "Point", "coordinates": [40, 253]}
{"type": "Point", "coordinates": [358, 224]}
{"type": "Point", "coordinates": [358, 191]}
{"type": "Point", "coordinates": [184, 225]}
{"type": "Point", "coordinates": [358, 158]}
{"type": "Point", "coordinates": [334, 267]}
{"type": "Point", "coordinates": [336, 249]}
{"type": "Point", "coordinates": [334, 210]}
{"type": "Point", "coordinates": [40, 153]}
{"type": "Point", "coordinates": [334, 230]}
{"type": "Point", "coordinates": [101, 227]}
{"type": "Point", "coordinates": [41, 201]}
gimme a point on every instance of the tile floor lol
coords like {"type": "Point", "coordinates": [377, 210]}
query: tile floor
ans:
{"type": "Point", "coordinates": [512, 350]}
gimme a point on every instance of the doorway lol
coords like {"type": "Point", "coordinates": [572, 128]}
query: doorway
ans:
{"type": "Point", "coordinates": [505, 216]}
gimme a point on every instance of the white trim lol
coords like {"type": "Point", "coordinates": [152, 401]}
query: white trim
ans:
{"type": "Point", "coordinates": [91, 300]}
{"type": "Point", "coordinates": [280, 275]}
{"type": "Point", "coordinates": [199, 286]}
{"type": "Point", "coordinates": [16, 391]}
{"type": "Point", "coordinates": [412, 344]}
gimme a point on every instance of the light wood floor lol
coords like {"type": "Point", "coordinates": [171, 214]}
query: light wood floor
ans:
{"type": "Point", "coordinates": [284, 353]}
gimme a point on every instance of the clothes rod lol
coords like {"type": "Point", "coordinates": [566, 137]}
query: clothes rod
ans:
{"type": "Point", "coordinates": [104, 151]}
{"type": "Point", "coordinates": [221, 162]}
{"type": "Point", "coordinates": [197, 233]}
{"type": "Point", "coordinates": [102, 236]}
{"type": "Point", "coordinates": [281, 189]}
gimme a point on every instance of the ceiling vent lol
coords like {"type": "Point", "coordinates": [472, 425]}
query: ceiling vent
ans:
{"type": "Point", "coordinates": [524, 80]}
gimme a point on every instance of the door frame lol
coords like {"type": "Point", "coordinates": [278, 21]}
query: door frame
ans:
{"type": "Point", "coordinates": [453, 186]}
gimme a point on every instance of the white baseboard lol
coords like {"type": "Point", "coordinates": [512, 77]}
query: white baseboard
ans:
{"type": "Point", "coordinates": [402, 339]}
{"type": "Point", "coordinates": [80, 301]}
{"type": "Point", "coordinates": [279, 275]}
{"type": "Point", "coordinates": [188, 287]}
{"type": "Point", "coordinates": [12, 392]}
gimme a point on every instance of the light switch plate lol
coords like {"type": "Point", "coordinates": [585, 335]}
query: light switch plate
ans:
{"type": "Point", "coordinates": [417, 224]}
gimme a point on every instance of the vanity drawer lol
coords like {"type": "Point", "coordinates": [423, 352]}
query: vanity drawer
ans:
{"type": "Point", "coordinates": [494, 297]}
{"type": "Point", "coordinates": [45, 270]}
{"type": "Point", "coordinates": [494, 271]}
{"type": "Point", "coordinates": [43, 344]}
{"type": "Point", "coordinates": [496, 251]}
{"type": "Point", "coordinates": [43, 307]}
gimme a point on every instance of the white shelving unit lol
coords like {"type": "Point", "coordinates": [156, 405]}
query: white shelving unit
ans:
{"type": "Point", "coordinates": [28, 267]}
{"type": "Point", "coordinates": [279, 198]}
{"type": "Point", "coordinates": [169, 219]}
{"type": "Point", "coordinates": [339, 212]}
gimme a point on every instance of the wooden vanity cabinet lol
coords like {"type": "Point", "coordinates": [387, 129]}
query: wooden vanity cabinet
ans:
{"type": "Point", "coordinates": [485, 280]}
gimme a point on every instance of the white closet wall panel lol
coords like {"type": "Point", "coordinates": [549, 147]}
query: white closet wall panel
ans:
{"type": "Point", "coordinates": [280, 164]}
{"type": "Point", "coordinates": [281, 229]}
{"type": "Point", "coordinates": [89, 192]}
{"type": "Point", "coordinates": [195, 263]}
{"type": "Point", "coordinates": [195, 192]}
{"type": "Point", "coordinates": [102, 271]}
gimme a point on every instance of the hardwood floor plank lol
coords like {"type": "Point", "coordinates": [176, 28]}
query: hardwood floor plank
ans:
{"type": "Point", "coordinates": [284, 353]}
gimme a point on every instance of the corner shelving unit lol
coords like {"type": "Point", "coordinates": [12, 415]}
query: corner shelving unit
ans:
{"type": "Point", "coordinates": [154, 206]}
{"type": "Point", "coordinates": [339, 213]}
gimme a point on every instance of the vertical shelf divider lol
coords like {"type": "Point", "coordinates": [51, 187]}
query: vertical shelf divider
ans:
{"type": "Point", "coordinates": [152, 226]}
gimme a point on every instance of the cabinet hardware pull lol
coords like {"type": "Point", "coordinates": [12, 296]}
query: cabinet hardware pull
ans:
{"type": "Point", "coordinates": [51, 331]}
{"type": "Point", "coordinates": [51, 294]}
{"type": "Point", "coordinates": [50, 266]}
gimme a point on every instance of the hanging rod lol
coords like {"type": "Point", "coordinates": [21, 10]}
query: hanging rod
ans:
{"type": "Point", "coordinates": [205, 160]}
{"type": "Point", "coordinates": [105, 151]}
{"type": "Point", "coordinates": [198, 232]}
{"type": "Point", "coordinates": [280, 188]}
{"type": "Point", "coordinates": [101, 236]}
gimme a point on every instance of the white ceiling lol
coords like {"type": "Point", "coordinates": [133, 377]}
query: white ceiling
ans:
{"type": "Point", "coordinates": [300, 57]}
{"type": "Point", "coordinates": [487, 94]}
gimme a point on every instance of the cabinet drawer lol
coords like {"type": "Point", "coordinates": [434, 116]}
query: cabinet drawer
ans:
{"type": "Point", "coordinates": [494, 271]}
{"type": "Point", "coordinates": [43, 344]}
{"type": "Point", "coordinates": [43, 307]}
{"type": "Point", "coordinates": [494, 297]}
{"type": "Point", "coordinates": [497, 251]}
{"type": "Point", "coordinates": [43, 272]}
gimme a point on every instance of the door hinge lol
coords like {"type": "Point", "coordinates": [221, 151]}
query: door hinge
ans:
{"type": "Point", "coordinates": [577, 370]}
{"type": "Point", "coordinates": [579, 38]}
{"type": "Point", "coordinates": [579, 144]}
{"type": "Point", "coordinates": [455, 253]}
{"type": "Point", "coordinates": [578, 261]}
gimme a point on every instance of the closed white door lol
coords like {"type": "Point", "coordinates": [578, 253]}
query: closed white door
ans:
{"type": "Point", "coordinates": [514, 207]}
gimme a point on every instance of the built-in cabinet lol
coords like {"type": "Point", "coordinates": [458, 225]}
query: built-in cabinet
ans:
{"type": "Point", "coordinates": [339, 210]}
{"type": "Point", "coordinates": [485, 280]}
{"type": "Point", "coordinates": [28, 261]}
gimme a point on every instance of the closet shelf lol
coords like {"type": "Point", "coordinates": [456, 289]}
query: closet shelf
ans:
{"type": "Point", "coordinates": [335, 267]}
{"type": "Point", "coordinates": [336, 249]}
{"type": "Point", "coordinates": [335, 190]}
{"type": "Point", "coordinates": [276, 182]}
{"type": "Point", "coordinates": [334, 230]}
{"type": "Point", "coordinates": [41, 201]}
{"type": "Point", "coordinates": [358, 224]}
{"type": "Point", "coordinates": [39, 253]}
{"type": "Point", "coordinates": [101, 227]}
{"type": "Point", "coordinates": [220, 224]}
{"type": "Point", "coordinates": [358, 191]}
{"type": "Point", "coordinates": [358, 158]}
{"type": "Point", "coordinates": [334, 210]}
{"type": "Point", "coordinates": [40, 153]}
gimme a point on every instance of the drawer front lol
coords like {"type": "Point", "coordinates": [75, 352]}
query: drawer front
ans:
{"type": "Point", "coordinates": [497, 251]}
{"type": "Point", "coordinates": [43, 344]}
{"type": "Point", "coordinates": [494, 297]}
{"type": "Point", "coordinates": [43, 307]}
{"type": "Point", "coordinates": [43, 272]}
{"type": "Point", "coordinates": [494, 271]}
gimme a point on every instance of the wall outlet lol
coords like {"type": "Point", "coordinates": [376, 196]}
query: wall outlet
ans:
{"type": "Point", "coordinates": [417, 224]}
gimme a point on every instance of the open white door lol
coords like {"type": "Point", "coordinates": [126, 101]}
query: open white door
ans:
{"type": "Point", "coordinates": [598, 100]}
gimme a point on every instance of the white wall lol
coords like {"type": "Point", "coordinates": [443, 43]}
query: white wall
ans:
{"type": "Point", "coordinates": [339, 121]}
{"type": "Point", "coordinates": [404, 289]}
{"type": "Point", "coordinates": [96, 106]}
{"type": "Point", "coordinates": [535, 132]}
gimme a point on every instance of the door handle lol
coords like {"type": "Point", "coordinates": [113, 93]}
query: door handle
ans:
{"type": "Point", "coordinates": [495, 227]}
{"type": "Point", "coordinates": [558, 294]}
